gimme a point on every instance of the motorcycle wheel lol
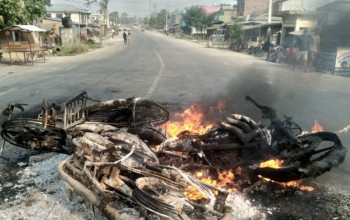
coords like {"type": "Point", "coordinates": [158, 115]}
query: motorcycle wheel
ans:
{"type": "Point", "coordinates": [31, 134]}
{"type": "Point", "coordinates": [259, 53]}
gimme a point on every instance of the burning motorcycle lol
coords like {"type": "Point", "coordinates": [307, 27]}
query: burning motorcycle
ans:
{"type": "Point", "coordinates": [119, 152]}
{"type": "Point", "coordinates": [240, 142]}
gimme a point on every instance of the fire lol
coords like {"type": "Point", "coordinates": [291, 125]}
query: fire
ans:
{"type": "Point", "coordinates": [193, 194]}
{"type": "Point", "coordinates": [317, 127]}
{"type": "Point", "coordinates": [191, 120]}
{"type": "Point", "coordinates": [225, 179]}
{"type": "Point", "coordinates": [278, 164]}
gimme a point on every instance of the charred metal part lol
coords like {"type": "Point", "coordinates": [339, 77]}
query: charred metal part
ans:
{"type": "Point", "coordinates": [94, 127]}
{"type": "Point", "coordinates": [181, 145]}
{"type": "Point", "coordinates": [75, 111]}
{"type": "Point", "coordinates": [30, 134]}
{"type": "Point", "coordinates": [86, 193]}
{"type": "Point", "coordinates": [152, 135]}
{"type": "Point", "coordinates": [127, 112]}
{"type": "Point", "coordinates": [156, 196]}
{"type": "Point", "coordinates": [311, 160]}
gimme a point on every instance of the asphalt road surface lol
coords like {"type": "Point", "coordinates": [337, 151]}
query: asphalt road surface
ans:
{"type": "Point", "coordinates": [175, 73]}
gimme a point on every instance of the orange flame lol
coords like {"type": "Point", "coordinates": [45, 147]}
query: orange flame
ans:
{"type": "Point", "coordinates": [225, 179]}
{"type": "Point", "coordinates": [192, 194]}
{"type": "Point", "coordinates": [317, 127]}
{"type": "Point", "coordinates": [278, 164]}
{"type": "Point", "coordinates": [191, 120]}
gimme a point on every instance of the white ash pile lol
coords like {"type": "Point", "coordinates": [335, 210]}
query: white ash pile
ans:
{"type": "Point", "coordinates": [39, 194]}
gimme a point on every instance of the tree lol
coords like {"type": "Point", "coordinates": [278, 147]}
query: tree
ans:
{"type": "Point", "coordinates": [161, 18]}
{"type": "Point", "coordinates": [235, 30]}
{"type": "Point", "coordinates": [196, 17]}
{"type": "Point", "coordinates": [21, 12]}
{"type": "Point", "coordinates": [114, 18]}
{"type": "Point", "coordinates": [153, 20]}
{"type": "Point", "coordinates": [124, 18]}
{"type": "Point", "coordinates": [234, 34]}
{"type": "Point", "coordinates": [146, 21]}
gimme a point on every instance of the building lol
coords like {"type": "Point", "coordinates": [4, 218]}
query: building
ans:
{"type": "Point", "coordinates": [294, 18]}
{"type": "Point", "coordinates": [334, 25]}
{"type": "Point", "coordinates": [252, 8]}
{"type": "Point", "coordinates": [175, 22]}
{"type": "Point", "coordinates": [76, 14]}
{"type": "Point", "coordinates": [76, 31]}
{"type": "Point", "coordinates": [227, 12]}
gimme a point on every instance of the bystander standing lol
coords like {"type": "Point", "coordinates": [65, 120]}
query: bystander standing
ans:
{"type": "Point", "coordinates": [303, 44]}
{"type": "Point", "coordinates": [313, 49]}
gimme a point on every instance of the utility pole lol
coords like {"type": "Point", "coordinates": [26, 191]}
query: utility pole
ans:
{"type": "Point", "coordinates": [166, 20]}
{"type": "Point", "coordinates": [268, 34]}
{"type": "Point", "coordinates": [150, 12]}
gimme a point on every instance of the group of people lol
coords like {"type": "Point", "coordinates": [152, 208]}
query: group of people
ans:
{"type": "Point", "coordinates": [304, 50]}
{"type": "Point", "coordinates": [126, 35]}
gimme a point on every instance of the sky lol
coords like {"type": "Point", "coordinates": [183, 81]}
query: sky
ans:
{"type": "Point", "coordinates": [141, 8]}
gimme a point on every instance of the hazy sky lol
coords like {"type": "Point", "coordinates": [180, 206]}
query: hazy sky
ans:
{"type": "Point", "coordinates": [141, 8]}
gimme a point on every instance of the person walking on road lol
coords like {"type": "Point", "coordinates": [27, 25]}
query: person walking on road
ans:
{"type": "Point", "coordinates": [129, 37]}
{"type": "Point", "coordinates": [125, 36]}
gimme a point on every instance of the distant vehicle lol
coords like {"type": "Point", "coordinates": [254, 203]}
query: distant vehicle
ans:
{"type": "Point", "coordinates": [142, 30]}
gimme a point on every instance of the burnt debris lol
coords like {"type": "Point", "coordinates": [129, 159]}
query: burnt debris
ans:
{"type": "Point", "coordinates": [120, 154]}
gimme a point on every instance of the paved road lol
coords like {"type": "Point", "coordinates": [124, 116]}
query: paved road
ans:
{"type": "Point", "coordinates": [176, 73]}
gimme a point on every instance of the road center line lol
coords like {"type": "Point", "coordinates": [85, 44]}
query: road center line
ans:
{"type": "Point", "coordinates": [156, 80]}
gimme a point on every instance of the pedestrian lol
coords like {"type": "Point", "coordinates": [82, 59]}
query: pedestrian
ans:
{"type": "Point", "coordinates": [313, 49]}
{"type": "Point", "coordinates": [129, 37]}
{"type": "Point", "coordinates": [125, 36]}
{"type": "Point", "coordinates": [303, 43]}
{"type": "Point", "coordinates": [292, 55]}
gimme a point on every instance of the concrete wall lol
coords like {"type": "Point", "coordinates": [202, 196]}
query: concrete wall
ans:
{"type": "Point", "coordinates": [247, 7]}
{"type": "Point", "coordinates": [76, 17]}
{"type": "Point", "coordinates": [70, 35]}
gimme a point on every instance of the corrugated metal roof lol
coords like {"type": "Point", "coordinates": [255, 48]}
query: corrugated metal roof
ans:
{"type": "Point", "coordinates": [30, 28]}
{"type": "Point", "coordinates": [65, 8]}
{"type": "Point", "coordinates": [211, 9]}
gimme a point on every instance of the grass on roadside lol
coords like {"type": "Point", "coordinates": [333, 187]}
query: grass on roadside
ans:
{"type": "Point", "coordinates": [78, 48]}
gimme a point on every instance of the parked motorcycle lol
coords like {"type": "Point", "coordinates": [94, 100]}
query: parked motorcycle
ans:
{"type": "Point", "coordinates": [256, 50]}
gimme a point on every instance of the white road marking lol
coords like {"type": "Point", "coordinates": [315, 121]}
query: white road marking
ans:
{"type": "Point", "coordinates": [7, 91]}
{"type": "Point", "coordinates": [156, 80]}
{"type": "Point", "coordinates": [226, 64]}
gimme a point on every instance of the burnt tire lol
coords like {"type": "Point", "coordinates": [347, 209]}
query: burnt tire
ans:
{"type": "Point", "coordinates": [31, 134]}
{"type": "Point", "coordinates": [127, 112]}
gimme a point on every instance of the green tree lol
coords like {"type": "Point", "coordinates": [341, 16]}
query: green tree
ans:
{"type": "Point", "coordinates": [196, 17]}
{"type": "Point", "coordinates": [21, 12]}
{"type": "Point", "coordinates": [161, 18]}
{"type": "Point", "coordinates": [124, 18]}
{"type": "Point", "coordinates": [114, 18]}
{"type": "Point", "coordinates": [145, 21]}
{"type": "Point", "coordinates": [235, 30]}
{"type": "Point", "coordinates": [153, 20]}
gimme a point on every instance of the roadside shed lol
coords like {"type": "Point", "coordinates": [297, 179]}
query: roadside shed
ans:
{"type": "Point", "coordinates": [23, 39]}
